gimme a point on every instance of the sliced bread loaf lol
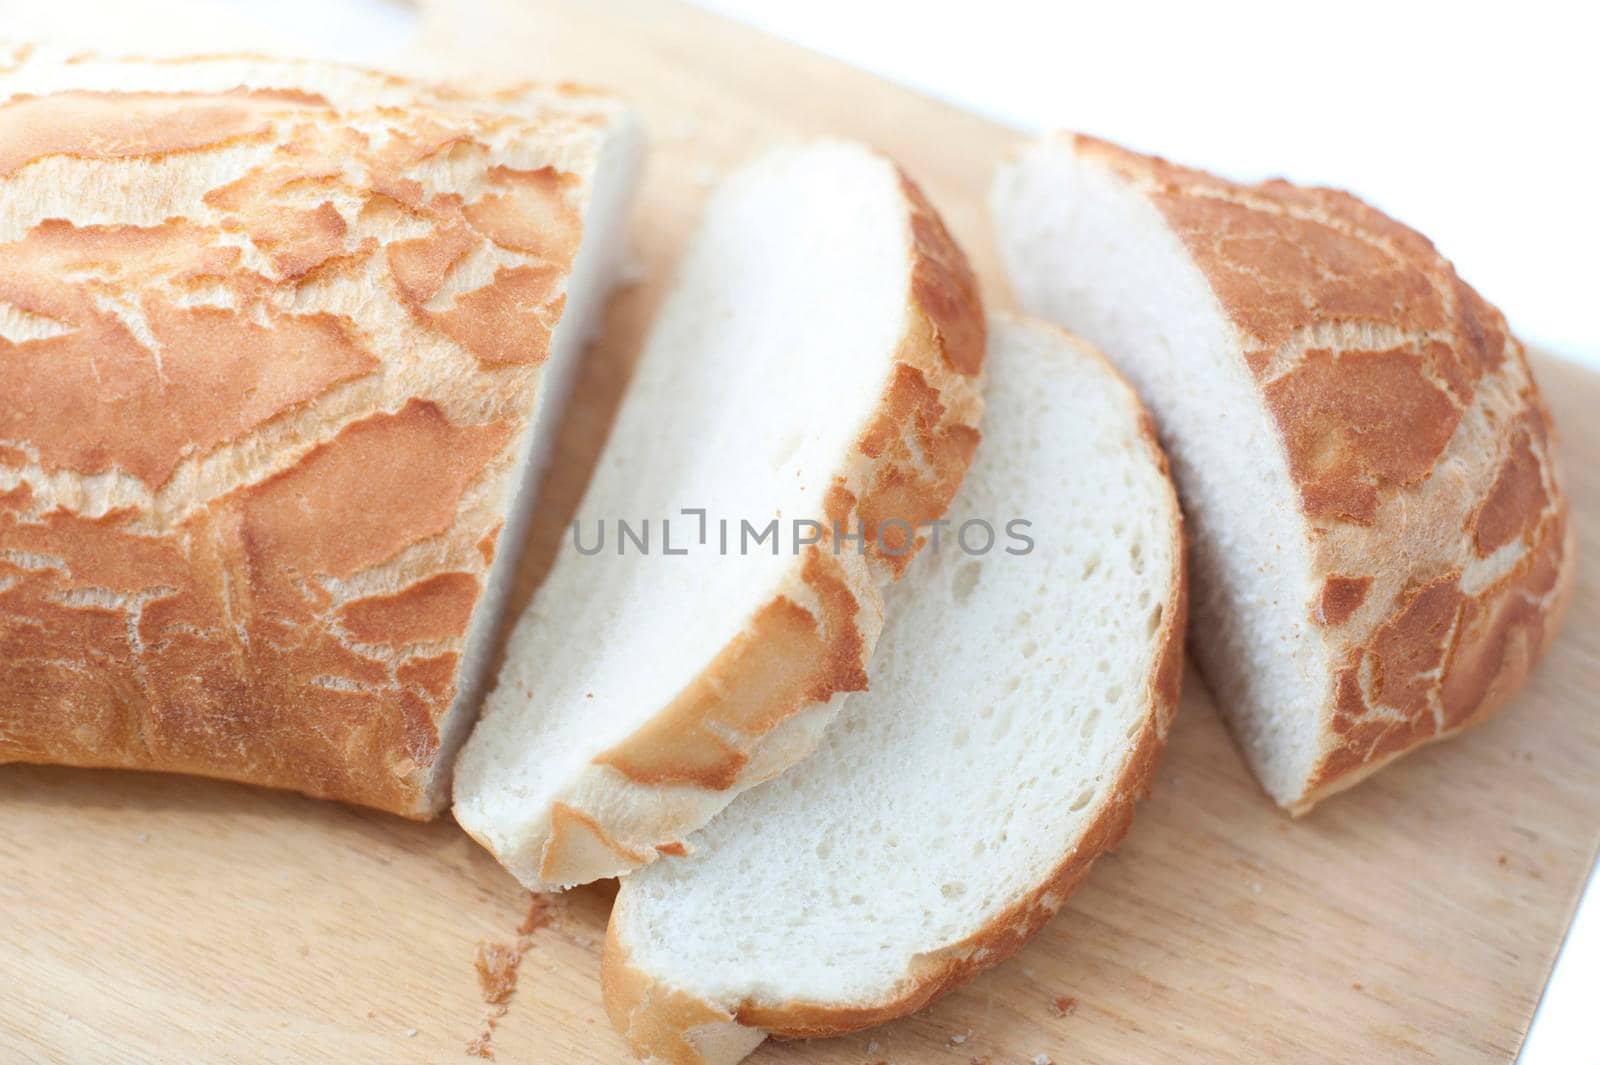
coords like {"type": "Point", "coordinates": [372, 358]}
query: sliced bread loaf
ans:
{"type": "Point", "coordinates": [280, 346]}
{"type": "Point", "coordinates": [1019, 702]}
{"type": "Point", "coordinates": [814, 374]}
{"type": "Point", "coordinates": [1381, 544]}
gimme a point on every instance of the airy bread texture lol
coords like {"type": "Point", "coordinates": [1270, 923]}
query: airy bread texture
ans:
{"type": "Point", "coordinates": [1381, 544]}
{"type": "Point", "coordinates": [277, 343]}
{"type": "Point", "coordinates": [817, 361]}
{"type": "Point", "coordinates": [1018, 705]}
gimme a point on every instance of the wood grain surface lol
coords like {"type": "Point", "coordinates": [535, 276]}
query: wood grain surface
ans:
{"type": "Point", "coordinates": [155, 919]}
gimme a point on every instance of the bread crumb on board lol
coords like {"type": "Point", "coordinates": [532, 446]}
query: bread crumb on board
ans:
{"type": "Point", "coordinates": [538, 915]}
{"type": "Point", "coordinates": [497, 971]}
{"type": "Point", "coordinates": [1063, 1005]}
{"type": "Point", "coordinates": [1042, 1059]}
{"type": "Point", "coordinates": [497, 964]}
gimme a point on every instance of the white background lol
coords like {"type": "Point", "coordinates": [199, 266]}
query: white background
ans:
{"type": "Point", "coordinates": [1477, 124]}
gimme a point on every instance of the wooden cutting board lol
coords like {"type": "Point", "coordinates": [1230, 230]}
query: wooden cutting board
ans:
{"type": "Point", "coordinates": [147, 918]}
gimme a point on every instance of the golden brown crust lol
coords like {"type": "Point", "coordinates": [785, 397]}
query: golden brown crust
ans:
{"type": "Point", "coordinates": [944, 287]}
{"type": "Point", "coordinates": [917, 450]}
{"type": "Point", "coordinates": [920, 457]}
{"type": "Point", "coordinates": [220, 372]}
{"type": "Point", "coordinates": [578, 841]}
{"type": "Point", "coordinates": [1445, 660]}
{"type": "Point", "coordinates": [1518, 498]}
{"type": "Point", "coordinates": [214, 649]}
{"type": "Point", "coordinates": [245, 518]}
{"type": "Point", "coordinates": [123, 125]}
{"type": "Point", "coordinates": [657, 1021]}
{"type": "Point", "coordinates": [530, 211]}
{"type": "Point", "coordinates": [1422, 454]}
{"type": "Point", "coordinates": [435, 608]}
{"type": "Point", "coordinates": [1341, 597]}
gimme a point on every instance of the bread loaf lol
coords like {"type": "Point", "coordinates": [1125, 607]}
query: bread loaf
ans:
{"type": "Point", "coordinates": [1381, 543]}
{"type": "Point", "coordinates": [278, 342]}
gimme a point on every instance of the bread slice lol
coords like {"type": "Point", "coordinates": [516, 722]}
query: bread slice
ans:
{"type": "Point", "coordinates": [1019, 702]}
{"type": "Point", "coordinates": [1381, 544]}
{"type": "Point", "coordinates": [818, 361]}
{"type": "Point", "coordinates": [282, 345]}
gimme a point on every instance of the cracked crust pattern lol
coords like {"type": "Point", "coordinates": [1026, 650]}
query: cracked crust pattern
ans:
{"type": "Point", "coordinates": [267, 363]}
{"type": "Point", "coordinates": [736, 724]}
{"type": "Point", "coordinates": [1422, 453]}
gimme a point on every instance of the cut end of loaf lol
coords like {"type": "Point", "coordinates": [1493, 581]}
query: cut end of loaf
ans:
{"type": "Point", "coordinates": [598, 267]}
{"type": "Point", "coordinates": [1364, 458]}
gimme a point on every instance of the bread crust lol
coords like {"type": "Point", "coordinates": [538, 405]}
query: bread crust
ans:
{"type": "Point", "coordinates": [1422, 454]}
{"type": "Point", "coordinates": [669, 1025]}
{"type": "Point", "coordinates": [737, 723]}
{"type": "Point", "coordinates": [256, 447]}
{"type": "Point", "coordinates": [663, 1025]}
